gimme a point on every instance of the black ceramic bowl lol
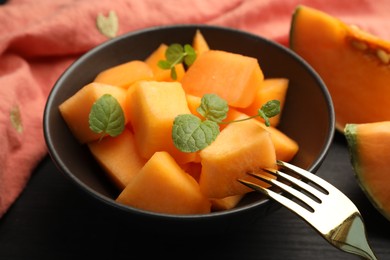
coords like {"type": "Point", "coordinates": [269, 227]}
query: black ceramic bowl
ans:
{"type": "Point", "coordinates": [307, 117]}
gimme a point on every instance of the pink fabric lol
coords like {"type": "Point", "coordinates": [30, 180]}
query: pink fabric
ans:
{"type": "Point", "coordinates": [40, 38]}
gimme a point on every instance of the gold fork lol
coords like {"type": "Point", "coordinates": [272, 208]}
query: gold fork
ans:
{"type": "Point", "coordinates": [332, 214]}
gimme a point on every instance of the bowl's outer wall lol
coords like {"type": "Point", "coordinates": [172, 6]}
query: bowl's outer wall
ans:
{"type": "Point", "coordinates": [307, 117]}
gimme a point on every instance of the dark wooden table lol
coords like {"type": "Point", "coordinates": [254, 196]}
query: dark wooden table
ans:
{"type": "Point", "coordinates": [53, 220]}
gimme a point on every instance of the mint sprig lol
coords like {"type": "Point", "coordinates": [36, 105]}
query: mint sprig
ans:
{"type": "Point", "coordinates": [107, 117]}
{"type": "Point", "coordinates": [191, 134]}
{"type": "Point", "coordinates": [176, 54]}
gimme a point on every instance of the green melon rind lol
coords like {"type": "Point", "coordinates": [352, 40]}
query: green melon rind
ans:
{"type": "Point", "coordinates": [351, 135]}
{"type": "Point", "coordinates": [292, 26]}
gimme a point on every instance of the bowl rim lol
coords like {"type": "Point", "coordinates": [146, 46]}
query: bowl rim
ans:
{"type": "Point", "coordinates": [112, 203]}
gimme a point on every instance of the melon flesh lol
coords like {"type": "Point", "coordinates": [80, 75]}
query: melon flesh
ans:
{"type": "Point", "coordinates": [162, 186]}
{"type": "Point", "coordinates": [239, 148]}
{"type": "Point", "coordinates": [353, 64]}
{"type": "Point", "coordinates": [369, 146]}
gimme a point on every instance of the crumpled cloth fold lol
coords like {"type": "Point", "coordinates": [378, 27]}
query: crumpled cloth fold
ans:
{"type": "Point", "coordinates": [39, 39]}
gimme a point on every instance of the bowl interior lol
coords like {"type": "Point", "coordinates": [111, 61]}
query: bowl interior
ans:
{"type": "Point", "coordinates": [307, 116]}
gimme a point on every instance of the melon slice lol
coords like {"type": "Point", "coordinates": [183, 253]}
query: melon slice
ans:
{"type": "Point", "coordinates": [162, 186]}
{"type": "Point", "coordinates": [353, 64]}
{"type": "Point", "coordinates": [123, 75]}
{"type": "Point", "coordinates": [234, 77]}
{"type": "Point", "coordinates": [75, 110]}
{"type": "Point", "coordinates": [118, 156]}
{"type": "Point", "coordinates": [153, 106]}
{"type": "Point", "coordinates": [239, 148]}
{"type": "Point", "coordinates": [199, 43]}
{"type": "Point", "coordinates": [369, 147]}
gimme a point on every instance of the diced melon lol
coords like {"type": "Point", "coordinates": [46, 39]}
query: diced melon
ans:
{"type": "Point", "coordinates": [125, 74]}
{"type": "Point", "coordinates": [225, 203]}
{"type": "Point", "coordinates": [193, 168]}
{"type": "Point", "coordinates": [199, 43]}
{"type": "Point", "coordinates": [162, 186]}
{"type": "Point", "coordinates": [160, 74]}
{"type": "Point", "coordinates": [118, 157]}
{"type": "Point", "coordinates": [193, 103]}
{"type": "Point", "coordinates": [271, 88]}
{"type": "Point", "coordinates": [234, 77]}
{"type": "Point", "coordinates": [153, 107]}
{"type": "Point", "coordinates": [75, 110]}
{"type": "Point", "coordinates": [239, 148]}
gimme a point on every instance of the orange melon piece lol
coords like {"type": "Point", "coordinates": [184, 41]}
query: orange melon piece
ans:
{"type": "Point", "coordinates": [199, 43]}
{"type": "Point", "coordinates": [353, 64]}
{"type": "Point", "coordinates": [234, 77]}
{"type": "Point", "coordinates": [160, 74]}
{"type": "Point", "coordinates": [285, 147]}
{"type": "Point", "coordinates": [153, 106]}
{"type": "Point", "coordinates": [125, 74]}
{"type": "Point", "coordinates": [271, 88]}
{"type": "Point", "coordinates": [118, 157]}
{"type": "Point", "coordinates": [193, 168]}
{"type": "Point", "coordinates": [75, 110]}
{"type": "Point", "coordinates": [193, 103]}
{"type": "Point", "coordinates": [239, 148]}
{"type": "Point", "coordinates": [225, 203]}
{"type": "Point", "coordinates": [369, 147]}
{"type": "Point", "coordinates": [162, 186]}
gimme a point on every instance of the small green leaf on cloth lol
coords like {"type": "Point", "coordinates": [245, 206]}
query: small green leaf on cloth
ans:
{"type": "Point", "coordinates": [107, 116]}
{"type": "Point", "coordinates": [108, 25]}
{"type": "Point", "coordinates": [16, 119]}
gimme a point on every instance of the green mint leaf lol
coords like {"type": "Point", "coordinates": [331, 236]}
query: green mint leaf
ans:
{"type": "Point", "coordinates": [190, 55]}
{"type": "Point", "coordinates": [213, 108]}
{"type": "Point", "coordinates": [165, 65]}
{"type": "Point", "coordinates": [174, 53]}
{"type": "Point", "coordinates": [269, 109]}
{"type": "Point", "coordinates": [106, 116]}
{"type": "Point", "coordinates": [173, 73]}
{"type": "Point", "coordinates": [190, 134]}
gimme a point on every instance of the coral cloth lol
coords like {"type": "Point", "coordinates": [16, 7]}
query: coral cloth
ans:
{"type": "Point", "coordinates": [39, 39]}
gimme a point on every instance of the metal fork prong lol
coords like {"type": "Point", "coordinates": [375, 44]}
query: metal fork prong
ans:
{"type": "Point", "coordinates": [297, 194]}
{"type": "Point", "coordinates": [299, 183]}
{"type": "Point", "coordinates": [291, 205]}
{"type": "Point", "coordinates": [307, 175]}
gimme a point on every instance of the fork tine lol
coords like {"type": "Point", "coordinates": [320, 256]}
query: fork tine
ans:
{"type": "Point", "coordinates": [295, 193]}
{"type": "Point", "coordinates": [294, 207]}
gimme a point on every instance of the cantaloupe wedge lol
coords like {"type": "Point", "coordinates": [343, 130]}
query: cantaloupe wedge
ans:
{"type": "Point", "coordinates": [118, 156]}
{"type": "Point", "coordinates": [234, 77]}
{"type": "Point", "coordinates": [125, 74]}
{"type": "Point", "coordinates": [162, 186]}
{"type": "Point", "coordinates": [199, 43]}
{"type": "Point", "coordinates": [153, 107]}
{"type": "Point", "coordinates": [193, 103]}
{"type": "Point", "coordinates": [75, 110]}
{"type": "Point", "coordinates": [239, 148]}
{"type": "Point", "coordinates": [160, 74]}
{"type": "Point", "coordinates": [272, 88]}
{"type": "Point", "coordinates": [369, 147]}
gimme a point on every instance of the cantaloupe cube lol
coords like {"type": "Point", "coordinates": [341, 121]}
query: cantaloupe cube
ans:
{"type": "Point", "coordinates": [162, 186]}
{"type": "Point", "coordinates": [75, 110]}
{"type": "Point", "coordinates": [153, 107]}
{"type": "Point", "coordinates": [272, 88]}
{"type": "Point", "coordinates": [234, 77]}
{"type": "Point", "coordinates": [225, 203]}
{"type": "Point", "coordinates": [199, 43]}
{"type": "Point", "coordinates": [125, 74]}
{"type": "Point", "coordinates": [160, 74]}
{"type": "Point", "coordinates": [285, 147]}
{"type": "Point", "coordinates": [193, 168]}
{"type": "Point", "coordinates": [193, 103]}
{"type": "Point", "coordinates": [118, 157]}
{"type": "Point", "coordinates": [239, 148]}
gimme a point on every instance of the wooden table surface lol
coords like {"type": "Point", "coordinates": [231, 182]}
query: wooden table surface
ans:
{"type": "Point", "coordinates": [53, 220]}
